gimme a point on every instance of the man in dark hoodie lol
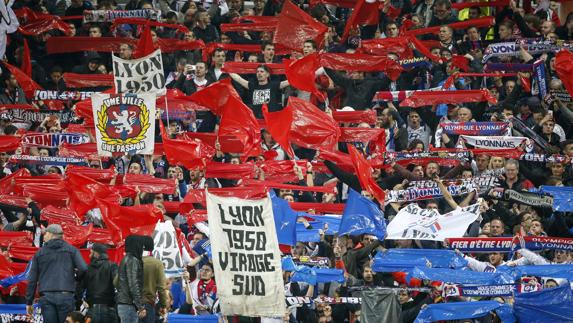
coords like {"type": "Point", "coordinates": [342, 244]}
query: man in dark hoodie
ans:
{"type": "Point", "coordinates": [55, 268]}
{"type": "Point", "coordinates": [130, 304]}
{"type": "Point", "coordinates": [98, 284]}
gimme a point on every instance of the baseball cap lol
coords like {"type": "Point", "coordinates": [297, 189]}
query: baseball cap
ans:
{"type": "Point", "coordinates": [55, 229]}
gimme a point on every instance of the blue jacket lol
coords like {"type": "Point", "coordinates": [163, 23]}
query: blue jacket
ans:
{"type": "Point", "coordinates": [55, 268]}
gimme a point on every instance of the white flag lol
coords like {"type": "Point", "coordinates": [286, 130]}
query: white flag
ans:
{"type": "Point", "coordinates": [142, 75]}
{"type": "Point", "coordinates": [246, 256]}
{"type": "Point", "coordinates": [166, 249]}
{"type": "Point", "coordinates": [413, 222]}
{"type": "Point", "coordinates": [124, 123]}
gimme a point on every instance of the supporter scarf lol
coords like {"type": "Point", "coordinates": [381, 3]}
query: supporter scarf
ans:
{"type": "Point", "coordinates": [361, 62]}
{"type": "Point", "coordinates": [482, 183]}
{"type": "Point", "coordinates": [541, 158]}
{"type": "Point", "coordinates": [368, 116]}
{"type": "Point", "coordinates": [528, 198]}
{"type": "Point", "coordinates": [9, 143]}
{"type": "Point", "coordinates": [539, 76]}
{"type": "Point", "coordinates": [58, 45]}
{"type": "Point", "coordinates": [44, 24]}
{"type": "Point", "coordinates": [269, 184]}
{"type": "Point", "coordinates": [415, 62]}
{"type": "Point", "coordinates": [418, 194]}
{"type": "Point", "coordinates": [149, 183]}
{"type": "Point", "coordinates": [475, 128]}
{"type": "Point", "coordinates": [382, 47]}
{"type": "Point", "coordinates": [450, 80]}
{"type": "Point", "coordinates": [145, 21]}
{"type": "Point", "coordinates": [295, 26]}
{"type": "Point", "coordinates": [35, 116]}
{"type": "Point", "coordinates": [531, 45]}
{"type": "Point", "coordinates": [292, 300]}
{"type": "Point", "coordinates": [110, 15]}
{"type": "Point", "coordinates": [102, 175]}
{"type": "Point", "coordinates": [360, 134]}
{"type": "Point", "coordinates": [62, 95]}
{"type": "Point", "coordinates": [390, 157]}
{"type": "Point", "coordinates": [526, 131]}
{"type": "Point", "coordinates": [502, 290]}
{"type": "Point", "coordinates": [462, 25]}
{"type": "Point", "coordinates": [10, 107]}
{"type": "Point", "coordinates": [249, 48]}
{"type": "Point", "coordinates": [506, 244]}
{"type": "Point", "coordinates": [512, 67]}
{"type": "Point", "coordinates": [229, 171]}
{"type": "Point", "coordinates": [425, 98]}
{"type": "Point", "coordinates": [229, 144]}
{"type": "Point", "coordinates": [251, 68]}
{"type": "Point", "coordinates": [50, 160]}
{"type": "Point", "coordinates": [74, 80]}
{"type": "Point", "coordinates": [13, 200]}
{"type": "Point", "coordinates": [282, 170]}
{"type": "Point", "coordinates": [495, 142]}
{"type": "Point", "coordinates": [564, 68]}
{"type": "Point", "coordinates": [268, 26]}
{"type": "Point", "coordinates": [53, 140]}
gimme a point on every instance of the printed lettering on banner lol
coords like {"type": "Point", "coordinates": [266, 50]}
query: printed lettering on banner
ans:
{"type": "Point", "coordinates": [246, 256]}
{"type": "Point", "coordinates": [124, 123]}
{"type": "Point", "coordinates": [143, 75]}
{"type": "Point", "coordinates": [413, 222]}
{"type": "Point", "coordinates": [167, 250]}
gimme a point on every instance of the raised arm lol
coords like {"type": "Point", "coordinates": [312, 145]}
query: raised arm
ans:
{"type": "Point", "coordinates": [237, 78]}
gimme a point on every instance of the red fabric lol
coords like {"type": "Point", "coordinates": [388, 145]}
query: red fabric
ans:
{"type": "Point", "coordinates": [368, 116]}
{"type": "Point", "coordinates": [322, 208]}
{"type": "Point", "coordinates": [270, 184]}
{"type": "Point", "coordinates": [5, 269]}
{"type": "Point", "coordinates": [278, 124]}
{"type": "Point", "coordinates": [282, 170]}
{"type": "Point", "coordinates": [84, 192]}
{"type": "Point", "coordinates": [57, 45]}
{"type": "Point", "coordinates": [120, 219]}
{"type": "Point", "coordinates": [26, 66]}
{"type": "Point", "coordinates": [462, 25]}
{"type": "Point", "coordinates": [22, 181]}
{"type": "Point", "coordinates": [18, 106]}
{"type": "Point", "coordinates": [170, 45]}
{"type": "Point", "coordinates": [23, 252]}
{"type": "Point", "coordinates": [364, 13]}
{"type": "Point", "coordinates": [230, 171]}
{"type": "Point", "coordinates": [9, 143]}
{"type": "Point", "coordinates": [229, 144]}
{"type": "Point", "coordinates": [152, 23]}
{"type": "Point", "coordinates": [301, 74]}
{"type": "Point", "coordinates": [214, 96]}
{"type": "Point", "coordinates": [7, 183]}
{"type": "Point", "coordinates": [360, 134]}
{"type": "Point", "coordinates": [342, 160]}
{"type": "Point", "coordinates": [423, 48]}
{"type": "Point", "coordinates": [338, 3]}
{"type": "Point", "coordinates": [60, 215]}
{"type": "Point", "coordinates": [310, 127]}
{"type": "Point", "coordinates": [149, 183]}
{"type": "Point", "coordinates": [26, 83]}
{"type": "Point", "coordinates": [196, 217]}
{"type": "Point", "coordinates": [100, 175]}
{"type": "Point", "coordinates": [450, 80]}
{"type": "Point", "coordinates": [382, 47]}
{"type": "Point", "coordinates": [363, 63]}
{"type": "Point", "coordinates": [250, 48]}
{"type": "Point", "coordinates": [251, 68]}
{"type": "Point", "coordinates": [189, 153]}
{"type": "Point", "coordinates": [43, 25]}
{"type": "Point", "coordinates": [8, 238]}
{"type": "Point", "coordinates": [564, 68]}
{"type": "Point", "coordinates": [295, 26]}
{"type": "Point", "coordinates": [364, 173]}
{"type": "Point", "coordinates": [269, 25]}
{"type": "Point", "coordinates": [424, 98]}
{"type": "Point", "coordinates": [76, 235]}
{"type": "Point", "coordinates": [45, 195]}
{"type": "Point", "coordinates": [461, 62]}
{"type": "Point", "coordinates": [14, 200]}
{"type": "Point", "coordinates": [145, 44]}
{"type": "Point", "coordinates": [525, 83]}
{"type": "Point", "coordinates": [87, 80]}
{"type": "Point", "coordinates": [88, 150]}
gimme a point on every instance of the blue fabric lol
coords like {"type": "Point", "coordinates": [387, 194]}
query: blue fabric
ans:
{"type": "Point", "coordinates": [394, 260]}
{"type": "Point", "coordinates": [362, 216]}
{"type": "Point", "coordinates": [288, 264]}
{"type": "Point", "coordinates": [460, 276]}
{"type": "Point", "coordinates": [14, 308]}
{"type": "Point", "coordinates": [304, 274]}
{"type": "Point", "coordinates": [9, 281]}
{"type": "Point", "coordinates": [327, 275]}
{"type": "Point", "coordinates": [555, 271]}
{"type": "Point", "coordinates": [562, 201]}
{"type": "Point", "coordinates": [182, 318]}
{"type": "Point", "coordinates": [548, 305]}
{"type": "Point", "coordinates": [307, 235]}
{"type": "Point", "coordinates": [285, 220]}
{"type": "Point", "coordinates": [464, 310]}
{"type": "Point", "coordinates": [178, 294]}
{"type": "Point", "coordinates": [312, 275]}
{"type": "Point", "coordinates": [332, 221]}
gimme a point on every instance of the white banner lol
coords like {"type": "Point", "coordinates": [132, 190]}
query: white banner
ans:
{"type": "Point", "coordinates": [246, 256]}
{"type": "Point", "coordinates": [167, 250]}
{"type": "Point", "coordinates": [124, 123]}
{"type": "Point", "coordinates": [143, 75]}
{"type": "Point", "coordinates": [413, 222]}
{"type": "Point", "coordinates": [111, 15]}
{"type": "Point", "coordinates": [494, 142]}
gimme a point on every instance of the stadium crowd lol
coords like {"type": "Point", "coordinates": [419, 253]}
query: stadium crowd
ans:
{"type": "Point", "coordinates": [525, 101]}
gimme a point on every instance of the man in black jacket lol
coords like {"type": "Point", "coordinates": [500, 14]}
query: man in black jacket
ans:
{"type": "Point", "coordinates": [98, 284]}
{"type": "Point", "coordinates": [130, 306]}
{"type": "Point", "coordinates": [55, 268]}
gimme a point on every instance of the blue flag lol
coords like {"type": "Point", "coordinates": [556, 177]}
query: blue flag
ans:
{"type": "Point", "coordinates": [561, 197]}
{"type": "Point", "coordinates": [9, 281]}
{"type": "Point", "coordinates": [460, 276]}
{"type": "Point", "coordinates": [548, 305]}
{"type": "Point", "coordinates": [362, 216]}
{"type": "Point", "coordinates": [464, 310]}
{"type": "Point", "coordinates": [394, 260]}
{"type": "Point", "coordinates": [285, 220]}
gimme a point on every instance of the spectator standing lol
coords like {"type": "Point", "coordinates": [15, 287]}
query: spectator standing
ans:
{"type": "Point", "coordinates": [154, 283]}
{"type": "Point", "coordinates": [130, 304]}
{"type": "Point", "coordinates": [54, 270]}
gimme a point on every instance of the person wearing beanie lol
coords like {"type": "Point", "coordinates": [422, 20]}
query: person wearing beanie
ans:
{"type": "Point", "coordinates": [154, 282]}
{"type": "Point", "coordinates": [98, 285]}
{"type": "Point", "coordinates": [54, 270]}
{"type": "Point", "coordinates": [129, 283]}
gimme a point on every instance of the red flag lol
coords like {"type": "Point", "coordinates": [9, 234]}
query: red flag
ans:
{"type": "Point", "coordinates": [282, 170]}
{"type": "Point", "coordinates": [461, 62]}
{"type": "Point", "coordinates": [295, 27]}
{"type": "Point", "coordinates": [310, 127]}
{"type": "Point", "coordinates": [26, 66]}
{"type": "Point", "coordinates": [59, 215]}
{"type": "Point", "coordinates": [382, 47]}
{"type": "Point", "coordinates": [7, 183]}
{"type": "Point", "coordinates": [360, 134]}
{"type": "Point", "coordinates": [423, 98]}
{"type": "Point", "coordinates": [214, 96]}
{"type": "Point", "coordinates": [189, 153]}
{"type": "Point", "coordinates": [121, 219]}
{"type": "Point", "coordinates": [84, 192]}
{"type": "Point", "coordinates": [364, 13]}
{"type": "Point", "coordinates": [230, 171]}
{"type": "Point", "coordinates": [9, 143]}
{"type": "Point", "coordinates": [145, 44]}
{"type": "Point", "coordinates": [362, 62]}
{"type": "Point", "coordinates": [149, 183]}
{"type": "Point", "coordinates": [564, 68]}
{"type": "Point", "coordinates": [238, 120]}
{"type": "Point", "coordinates": [100, 175]}
{"type": "Point", "coordinates": [5, 270]}
{"type": "Point", "coordinates": [278, 125]}
{"type": "Point", "coordinates": [87, 80]}
{"type": "Point", "coordinates": [364, 173]}
{"type": "Point", "coordinates": [301, 74]}
{"type": "Point", "coordinates": [25, 81]}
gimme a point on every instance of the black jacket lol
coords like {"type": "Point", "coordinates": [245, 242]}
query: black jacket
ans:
{"type": "Point", "coordinates": [359, 93]}
{"type": "Point", "coordinates": [130, 281]}
{"type": "Point", "coordinates": [55, 268]}
{"type": "Point", "coordinates": [98, 281]}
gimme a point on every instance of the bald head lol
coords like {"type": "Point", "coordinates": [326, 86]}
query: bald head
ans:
{"type": "Point", "coordinates": [464, 115]}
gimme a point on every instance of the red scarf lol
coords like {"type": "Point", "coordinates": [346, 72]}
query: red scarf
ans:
{"type": "Point", "coordinates": [206, 289]}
